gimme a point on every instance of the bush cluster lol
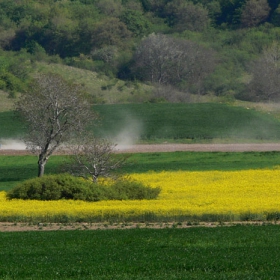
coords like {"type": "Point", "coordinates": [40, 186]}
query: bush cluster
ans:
{"type": "Point", "coordinates": [65, 186]}
{"type": "Point", "coordinates": [129, 189]}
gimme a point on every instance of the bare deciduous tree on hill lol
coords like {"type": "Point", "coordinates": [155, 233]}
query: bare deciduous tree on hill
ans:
{"type": "Point", "coordinates": [165, 60]}
{"type": "Point", "coordinates": [155, 58]}
{"type": "Point", "coordinates": [54, 111]}
{"type": "Point", "coordinates": [265, 83]}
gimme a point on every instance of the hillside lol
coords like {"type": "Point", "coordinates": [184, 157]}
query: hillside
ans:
{"type": "Point", "coordinates": [178, 122]}
{"type": "Point", "coordinates": [177, 47]}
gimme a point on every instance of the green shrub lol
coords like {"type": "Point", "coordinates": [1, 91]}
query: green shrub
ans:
{"type": "Point", "coordinates": [54, 187]}
{"type": "Point", "coordinates": [65, 186]}
{"type": "Point", "coordinates": [130, 189]}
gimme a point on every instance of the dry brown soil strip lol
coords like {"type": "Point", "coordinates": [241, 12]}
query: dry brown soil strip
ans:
{"type": "Point", "coordinates": [16, 227]}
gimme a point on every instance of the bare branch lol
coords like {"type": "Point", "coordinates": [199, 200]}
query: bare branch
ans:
{"type": "Point", "coordinates": [94, 158]}
{"type": "Point", "coordinates": [265, 83]}
{"type": "Point", "coordinates": [165, 60]}
{"type": "Point", "coordinates": [54, 111]}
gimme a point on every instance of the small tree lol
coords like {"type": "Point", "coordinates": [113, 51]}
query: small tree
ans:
{"type": "Point", "coordinates": [94, 157]}
{"type": "Point", "coordinates": [54, 111]}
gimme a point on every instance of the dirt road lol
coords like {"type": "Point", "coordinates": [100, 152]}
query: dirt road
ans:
{"type": "Point", "coordinates": [202, 148]}
{"type": "Point", "coordinates": [156, 148]}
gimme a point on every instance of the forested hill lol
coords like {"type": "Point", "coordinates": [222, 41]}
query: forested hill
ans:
{"type": "Point", "coordinates": [217, 47]}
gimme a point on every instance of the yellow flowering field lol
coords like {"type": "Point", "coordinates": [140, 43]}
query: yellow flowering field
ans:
{"type": "Point", "coordinates": [207, 195]}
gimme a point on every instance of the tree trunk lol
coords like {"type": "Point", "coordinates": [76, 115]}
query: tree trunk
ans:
{"type": "Point", "coordinates": [41, 165]}
{"type": "Point", "coordinates": [95, 179]}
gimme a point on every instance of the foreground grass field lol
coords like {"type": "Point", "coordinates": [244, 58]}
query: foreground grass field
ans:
{"type": "Point", "coordinates": [238, 252]}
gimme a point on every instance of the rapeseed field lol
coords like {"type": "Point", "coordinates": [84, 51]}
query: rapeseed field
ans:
{"type": "Point", "coordinates": [202, 196]}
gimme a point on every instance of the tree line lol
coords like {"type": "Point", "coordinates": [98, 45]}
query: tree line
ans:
{"type": "Point", "coordinates": [200, 47]}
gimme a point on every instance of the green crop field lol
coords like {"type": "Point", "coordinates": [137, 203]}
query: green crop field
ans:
{"type": "Point", "coordinates": [10, 126]}
{"type": "Point", "coordinates": [14, 169]}
{"type": "Point", "coordinates": [192, 122]}
{"type": "Point", "coordinates": [237, 252]}
{"type": "Point", "coordinates": [103, 46]}
{"type": "Point", "coordinates": [195, 121]}
{"type": "Point", "coordinates": [201, 161]}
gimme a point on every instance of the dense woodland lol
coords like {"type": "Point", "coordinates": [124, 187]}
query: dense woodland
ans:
{"type": "Point", "coordinates": [224, 48]}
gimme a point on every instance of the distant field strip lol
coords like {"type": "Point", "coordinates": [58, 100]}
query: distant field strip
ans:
{"type": "Point", "coordinates": [161, 122]}
{"type": "Point", "coordinates": [203, 196]}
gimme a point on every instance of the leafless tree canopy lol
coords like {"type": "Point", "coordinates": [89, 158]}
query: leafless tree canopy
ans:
{"type": "Point", "coordinates": [93, 158]}
{"type": "Point", "coordinates": [165, 60]}
{"type": "Point", "coordinates": [154, 58]}
{"type": "Point", "coordinates": [54, 111]}
{"type": "Point", "coordinates": [265, 83]}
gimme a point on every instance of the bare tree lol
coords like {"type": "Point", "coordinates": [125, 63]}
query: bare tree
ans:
{"type": "Point", "coordinates": [54, 111]}
{"type": "Point", "coordinates": [254, 12]}
{"type": "Point", "coordinates": [155, 57]}
{"type": "Point", "coordinates": [94, 157]}
{"type": "Point", "coordinates": [165, 60]}
{"type": "Point", "coordinates": [265, 83]}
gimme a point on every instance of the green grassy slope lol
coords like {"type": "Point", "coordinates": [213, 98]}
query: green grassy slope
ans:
{"type": "Point", "coordinates": [102, 88]}
{"type": "Point", "coordinates": [10, 126]}
{"type": "Point", "coordinates": [6, 103]}
{"type": "Point", "coordinates": [240, 252]}
{"type": "Point", "coordinates": [196, 122]}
